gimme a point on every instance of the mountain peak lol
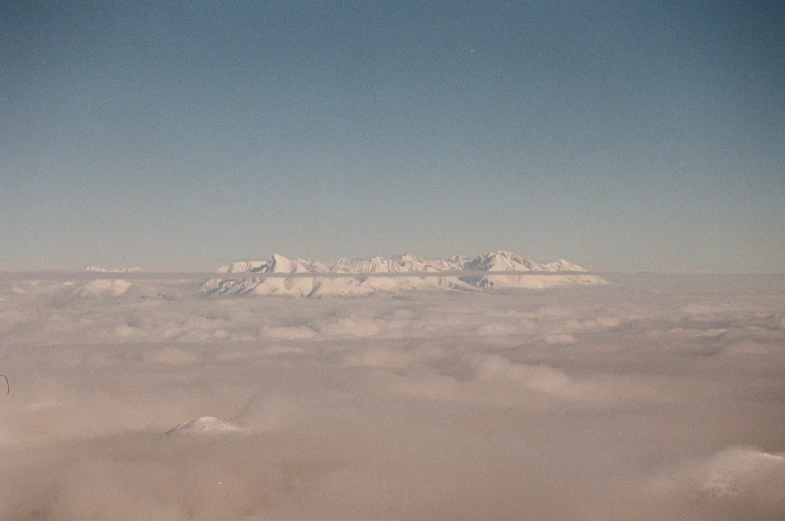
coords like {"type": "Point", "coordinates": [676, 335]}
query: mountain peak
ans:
{"type": "Point", "coordinates": [561, 265]}
{"type": "Point", "coordinates": [501, 261]}
{"type": "Point", "coordinates": [280, 264]}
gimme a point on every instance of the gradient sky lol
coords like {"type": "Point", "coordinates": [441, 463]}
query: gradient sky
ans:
{"type": "Point", "coordinates": [182, 135]}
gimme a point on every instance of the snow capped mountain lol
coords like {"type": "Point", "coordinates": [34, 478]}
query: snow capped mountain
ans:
{"type": "Point", "coordinates": [396, 275]}
{"type": "Point", "coordinates": [502, 261]}
{"type": "Point", "coordinates": [99, 269]}
{"type": "Point", "coordinates": [492, 261]}
{"type": "Point", "coordinates": [203, 425]}
{"type": "Point", "coordinates": [242, 266]}
{"type": "Point", "coordinates": [561, 265]}
{"type": "Point", "coordinates": [280, 264]}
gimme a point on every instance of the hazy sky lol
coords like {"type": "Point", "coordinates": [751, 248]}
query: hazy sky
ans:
{"type": "Point", "coordinates": [618, 135]}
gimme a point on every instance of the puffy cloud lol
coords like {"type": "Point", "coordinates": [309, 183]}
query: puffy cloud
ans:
{"type": "Point", "coordinates": [640, 399]}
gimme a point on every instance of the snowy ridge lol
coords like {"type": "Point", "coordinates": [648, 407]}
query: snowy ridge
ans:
{"type": "Point", "coordinates": [491, 261]}
{"type": "Point", "coordinates": [203, 425]}
{"type": "Point", "coordinates": [493, 270]}
{"type": "Point", "coordinates": [99, 269]}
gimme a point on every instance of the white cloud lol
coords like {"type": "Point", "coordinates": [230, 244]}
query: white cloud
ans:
{"type": "Point", "coordinates": [613, 402]}
{"type": "Point", "coordinates": [735, 483]}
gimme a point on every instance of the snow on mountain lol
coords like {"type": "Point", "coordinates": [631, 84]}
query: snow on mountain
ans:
{"type": "Point", "coordinates": [533, 281]}
{"type": "Point", "coordinates": [491, 261]}
{"type": "Point", "coordinates": [280, 264]}
{"type": "Point", "coordinates": [501, 261]}
{"type": "Point", "coordinates": [203, 425]}
{"type": "Point", "coordinates": [242, 266]}
{"type": "Point", "coordinates": [327, 280]}
{"type": "Point", "coordinates": [561, 265]}
{"type": "Point", "coordinates": [99, 269]}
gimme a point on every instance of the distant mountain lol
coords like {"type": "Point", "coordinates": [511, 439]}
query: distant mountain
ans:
{"type": "Point", "coordinates": [492, 261]}
{"type": "Point", "coordinates": [498, 269]}
{"type": "Point", "coordinates": [203, 425]}
{"type": "Point", "coordinates": [99, 269]}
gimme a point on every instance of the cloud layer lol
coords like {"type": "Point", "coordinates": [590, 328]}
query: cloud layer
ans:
{"type": "Point", "coordinates": [651, 398]}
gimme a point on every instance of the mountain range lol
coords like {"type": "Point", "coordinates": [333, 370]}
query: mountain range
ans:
{"type": "Point", "coordinates": [492, 261]}
{"type": "Point", "coordinates": [342, 277]}
{"type": "Point", "coordinates": [99, 269]}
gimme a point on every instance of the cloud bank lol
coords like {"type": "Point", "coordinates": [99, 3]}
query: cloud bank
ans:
{"type": "Point", "coordinates": [651, 398]}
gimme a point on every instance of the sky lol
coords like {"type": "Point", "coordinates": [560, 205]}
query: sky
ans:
{"type": "Point", "coordinates": [622, 136]}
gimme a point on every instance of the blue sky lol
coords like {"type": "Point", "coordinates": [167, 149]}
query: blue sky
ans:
{"type": "Point", "coordinates": [182, 135]}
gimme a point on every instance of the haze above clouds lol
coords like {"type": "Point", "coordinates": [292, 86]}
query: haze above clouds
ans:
{"type": "Point", "coordinates": [653, 397]}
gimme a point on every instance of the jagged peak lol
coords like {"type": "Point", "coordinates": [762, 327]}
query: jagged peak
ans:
{"type": "Point", "coordinates": [411, 258]}
{"type": "Point", "coordinates": [499, 260]}
{"type": "Point", "coordinates": [561, 265]}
